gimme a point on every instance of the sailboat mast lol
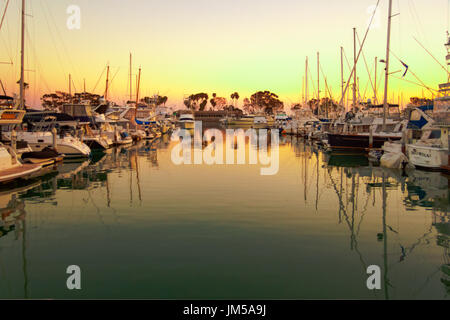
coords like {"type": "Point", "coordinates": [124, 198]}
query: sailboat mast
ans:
{"type": "Point", "coordinates": [342, 73]}
{"type": "Point", "coordinates": [138, 86]}
{"type": "Point", "coordinates": [131, 77]}
{"type": "Point", "coordinates": [70, 85]}
{"type": "Point", "coordinates": [375, 87]}
{"type": "Point", "coordinates": [355, 62]}
{"type": "Point", "coordinates": [107, 83]}
{"type": "Point", "coordinates": [318, 83]}
{"type": "Point", "coordinates": [22, 60]}
{"type": "Point", "coordinates": [306, 81]}
{"type": "Point", "coordinates": [386, 80]}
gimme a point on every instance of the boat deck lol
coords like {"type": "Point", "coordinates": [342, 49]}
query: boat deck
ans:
{"type": "Point", "coordinates": [21, 171]}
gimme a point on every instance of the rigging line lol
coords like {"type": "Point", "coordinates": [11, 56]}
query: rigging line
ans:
{"type": "Point", "coordinates": [37, 62]}
{"type": "Point", "coordinates": [112, 79]}
{"type": "Point", "coordinates": [7, 44]}
{"type": "Point", "coordinates": [326, 83]}
{"type": "Point", "coordinates": [445, 69]}
{"type": "Point", "coordinates": [4, 14]}
{"type": "Point", "coordinates": [61, 65]}
{"type": "Point", "coordinates": [101, 75]}
{"type": "Point", "coordinates": [74, 86]}
{"type": "Point", "coordinates": [346, 59]}
{"type": "Point", "coordinates": [418, 22]}
{"type": "Point", "coordinates": [409, 69]}
{"type": "Point", "coordinates": [365, 91]}
{"type": "Point", "coordinates": [360, 49]}
{"type": "Point", "coordinates": [417, 84]}
{"type": "Point", "coordinates": [365, 62]}
{"type": "Point", "coordinates": [61, 39]}
{"type": "Point", "coordinates": [312, 81]}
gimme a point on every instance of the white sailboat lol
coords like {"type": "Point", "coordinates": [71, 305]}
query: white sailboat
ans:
{"type": "Point", "coordinates": [431, 151]}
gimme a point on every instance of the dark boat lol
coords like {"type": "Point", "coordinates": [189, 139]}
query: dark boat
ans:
{"type": "Point", "coordinates": [46, 156]}
{"type": "Point", "coordinates": [355, 142]}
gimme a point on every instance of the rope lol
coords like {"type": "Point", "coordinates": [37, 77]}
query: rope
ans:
{"type": "Point", "coordinates": [409, 69]}
{"type": "Point", "coordinates": [360, 49]}
{"type": "Point", "coordinates": [445, 69]}
{"type": "Point", "coordinates": [4, 13]}
{"type": "Point", "coordinates": [367, 67]}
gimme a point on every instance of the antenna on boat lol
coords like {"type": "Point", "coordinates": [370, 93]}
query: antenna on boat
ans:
{"type": "Point", "coordinates": [107, 83]}
{"type": "Point", "coordinates": [22, 60]}
{"type": "Point", "coordinates": [318, 83]}
{"type": "Point", "coordinates": [447, 58]}
{"type": "Point", "coordinates": [3, 88]}
{"type": "Point", "coordinates": [386, 80]}
{"type": "Point", "coordinates": [342, 73]}
{"type": "Point", "coordinates": [375, 98]}
{"type": "Point", "coordinates": [131, 77]}
{"type": "Point", "coordinates": [70, 85]}
{"type": "Point", "coordinates": [355, 61]}
{"type": "Point", "coordinates": [306, 82]}
{"type": "Point", "coordinates": [138, 86]}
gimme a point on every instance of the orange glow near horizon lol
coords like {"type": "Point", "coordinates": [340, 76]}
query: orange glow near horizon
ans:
{"type": "Point", "coordinates": [217, 46]}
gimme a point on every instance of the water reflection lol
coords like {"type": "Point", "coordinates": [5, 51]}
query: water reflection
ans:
{"type": "Point", "coordinates": [336, 209]}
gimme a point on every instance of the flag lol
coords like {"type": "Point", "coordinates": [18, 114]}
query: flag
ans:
{"type": "Point", "coordinates": [406, 66]}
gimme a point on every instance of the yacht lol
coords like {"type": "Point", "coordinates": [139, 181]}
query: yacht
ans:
{"type": "Point", "coordinates": [250, 121]}
{"type": "Point", "coordinates": [70, 146]}
{"type": "Point", "coordinates": [115, 134]}
{"type": "Point", "coordinates": [38, 136]}
{"type": "Point", "coordinates": [187, 121]}
{"type": "Point", "coordinates": [431, 150]}
{"type": "Point", "coordinates": [302, 122]}
{"type": "Point", "coordinates": [367, 135]}
{"type": "Point", "coordinates": [95, 141]}
{"type": "Point", "coordinates": [10, 166]}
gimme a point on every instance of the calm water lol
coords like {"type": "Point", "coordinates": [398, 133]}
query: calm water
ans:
{"type": "Point", "coordinates": [141, 227]}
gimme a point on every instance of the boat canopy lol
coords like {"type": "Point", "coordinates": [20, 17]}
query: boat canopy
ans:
{"type": "Point", "coordinates": [143, 122]}
{"type": "Point", "coordinates": [381, 106]}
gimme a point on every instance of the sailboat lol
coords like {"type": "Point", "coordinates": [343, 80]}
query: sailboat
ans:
{"type": "Point", "coordinates": [431, 150]}
{"type": "Point", "coordinates": [41, 139]}
{"type": "Point", "coordinates": [376, 131]}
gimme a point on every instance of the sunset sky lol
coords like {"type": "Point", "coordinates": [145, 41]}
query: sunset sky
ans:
{"type": "Point", "coordinates": [191, 46]}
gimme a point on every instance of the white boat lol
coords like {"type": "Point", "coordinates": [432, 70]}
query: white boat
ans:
{"type": "Point", "coordinates": [115, 135]}
{"type": "Point", "coordinates": [250, 121]}
{"type": "Point", "coordinates": [187, 121]}
{"type": "Point", "coordinates": [10, 166]}
{"type": "Point", "coordinates": [302, 121]}
{"type": "Point", "coordinates": [70, 146]}
{"type": "Point", "coordinates": [431, 151]}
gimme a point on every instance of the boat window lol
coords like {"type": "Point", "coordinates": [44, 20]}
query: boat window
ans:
{"type": "Point", "coordinates": [435, 134]}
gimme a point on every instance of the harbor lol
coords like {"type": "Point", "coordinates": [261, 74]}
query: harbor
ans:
{"type": "Point", "coordinates": [142, 227]}
{"type": "Point", "coordinates": [167, 189]}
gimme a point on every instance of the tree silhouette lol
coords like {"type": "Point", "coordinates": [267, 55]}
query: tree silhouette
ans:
{"type": "Point", "coordinates": [196, 102]}
{"type": "Point", "coordinates": [235, 98]}
{"type": "Point", "coordinates": [266, 101]}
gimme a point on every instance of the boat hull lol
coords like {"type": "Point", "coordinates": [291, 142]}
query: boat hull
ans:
{"type": "Point", "coordinates": [19, 172]}
{"type": "Point", "coordinates": [427, 157]}
{"type": "Point", "coordinates": [357, 142]}
{"type": "Point", "coordinates": [94, 144]}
